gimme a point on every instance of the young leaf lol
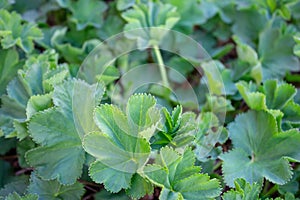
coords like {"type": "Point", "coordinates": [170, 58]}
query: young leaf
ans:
{"type": "Point", "coordinates": [14, 32]}
{"type": "Point", "coordinates": [69, 120]}
{"type": "Point", "coordinates": [255, 100]}
{"type": "Point", "coordinates": [179, 178]}
{"type": "Point", "coordinates": [145, 16]}
{"type": "Point", "coordinates": [277, 96]}
{"type": "Point", "coordinates": [272, 97]}
{"type": "Point", "coordinates": [121, 148]}
{"type": "Point", "coordinates": [178, 129]}
{"type": "Point", "coordinates": [243, 191]}
{"type": "Point", "coordinates": [254, 136]}
{"type": "Point", "coordinates": [49, 190]}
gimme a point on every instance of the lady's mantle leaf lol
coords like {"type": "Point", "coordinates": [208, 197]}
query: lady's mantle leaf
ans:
{"type": "Point", "coordinates": [144, 16]}
{"type": "Point", "coordinates": [16, 196]}
{"type": "Point", "coordinates": [85, 12]}
{"type": "Point", "coordinates": [31, 86]}
{"type": "Point", "coordinates": [179, 178]}
{"type": "Point", "coordinates": [259, 150]}
{"type": "Point", "coordinates": [176, 130]}
{"type": "Point", "coordinates": [14, 32]}
{"type": "Point", "coordinates": [59, 130]}
{"type": "Point", "coordinates": [243, 191]}
{"type": "Point", "coordinates": [9, 60]}
{"type": "Point", "coordinates": [48, 190]}
{"type": "Point", "coordinates": [121, 149]}
{"type": "Point", "coordinates": [273, 97]}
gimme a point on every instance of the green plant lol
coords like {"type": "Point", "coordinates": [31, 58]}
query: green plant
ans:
{"type": "Point", "coordinates": [86, 113]}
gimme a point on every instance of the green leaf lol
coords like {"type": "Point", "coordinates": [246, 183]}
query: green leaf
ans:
{"type": "Point", "coordinates": [214, 78]}
{"type": "Point", "coordinates": [255, 100]}
{"type": "Point", "coordinates": [180, 69]}
{"type": "Point", "coordinates": [9, 60]}
{"type": "Point", "coordinates": [64, 43]}
{"type": "Point", "coordinates": [113, 23]}
{"type": "Point", "coordinates": [49, 190]}
{"type": "Point", "coordinates": [191, 14]}
{"type": "Point", "coordinates": [179, 178]}
{"type": "Point", "coordinates": [105, 195]}
{"type": "Point", "coordinates": [124, 4]}
{"type": "Point", "coordinates": [256, 22]}
{"type": "Point", "coordinates": [14, 32]}
{"type": "Point", "coordinates": [253, 156]}
{"type": "Point", "coordinates": [121, 148]}
{"type": "Point", "coordinates": [218, 105]}
{"type": "Point", "coordinates": [277, 43]}
{"type": "Point", "coordinates": [70, 120]}
{"type": "Point", "coordinates": [6, 144]}
{"type": "Point", "coordinates": [245, 52]}
{"type": "Point", "coordinates": [209, 133]}
{"type": "Point", "coordinates": [296, 50]}
{"type": "Point", "coordinates": [243, 191]}
{"type": "Point", "coordinates": [272, 96]}
{"type": "Point", "coordinates": [5, 4]}
{"type": "Point", "coordinates": [87, 13]}
{"type": "Point", "coordinates": [22, 147]}
{"type": "Point", "coordinates": [177, 129]}
{"type": "Point", "coordinates": [277, 96]}
{"type": "Point", "coordinates": [36, 78]}
{"type": "Point", "coordinates": [285, 12]}
{"type": "Point", "coordinates": [145, 16]}
{"type": "Point", "coordinates": [291, 112]}
{"type": "Point", "coordinates": [6, 172]}
{"type": "Point", "coordinates": [17, 184]}
{"type": "Point", "coordinates": [38, 103]}
{"type": "Point", "coordinates": [139, 187]}
{"type": "Point", "coordinates": [16, 196]}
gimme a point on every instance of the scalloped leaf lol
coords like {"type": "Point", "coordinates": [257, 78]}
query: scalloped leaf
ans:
{"type": "Point", "coordinates": [85, 12]}
{"type": "Point", "coordinates": [120, 148]}
{"type": "Point", "coordinates": [209, 133]}
{"type": "Point", "coordinates": [277, 96]}
{"type": "Point", "coordinates": [30, 81]}
{"type": "Point", "coordinates": [179, 178]}
{"type": "Point", "coordinates": [243, 191]}
{"type": "Point", "coordinates": [255, 100]}
{"type": "Point", "coordinates": [16, 196]}
{"type": "Point", "coordinates": [144, 16]}
{"type": "Point", "coordinates": [70, 120]}
{"type": "Point", "coordinates": [14, 32]}
{"type": "Point", "coordinates": [254, 136]}
{"type": "Point", "coordinates": [48, 190]}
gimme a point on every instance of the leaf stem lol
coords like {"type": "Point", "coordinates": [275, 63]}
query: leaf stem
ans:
{"type": "Point", "coordinates": [271, 191]}
{"type": "Point", "coordinates": [161, 65]}
{"type": "Point", "coordinates": [217, 166]}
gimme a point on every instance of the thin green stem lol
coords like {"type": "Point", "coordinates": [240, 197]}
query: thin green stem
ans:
{"type": "Point", "coordinates": [266, 187]}
{"type": "Point", "coordinates": [217, 166]}
{"type": "Point", "coordinates": [271, 191]}
{"type": "Point", "coordinates": [161, 65]}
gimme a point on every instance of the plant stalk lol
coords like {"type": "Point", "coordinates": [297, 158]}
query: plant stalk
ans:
{"type": "Point", "coordinates": [161, 65]}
